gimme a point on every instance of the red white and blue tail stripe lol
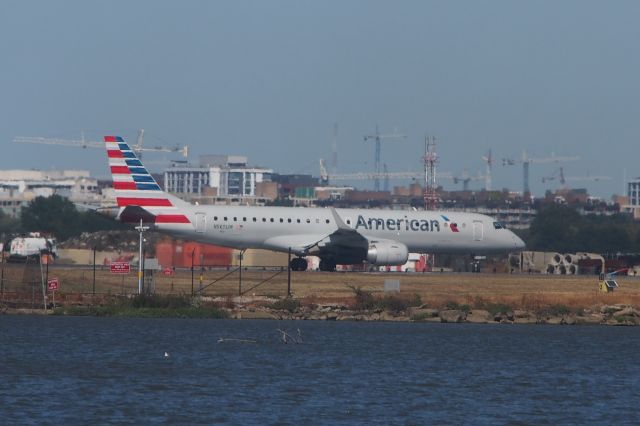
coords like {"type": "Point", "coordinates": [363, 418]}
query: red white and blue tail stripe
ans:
{"type": "Point", "coordinates": [135, 187]}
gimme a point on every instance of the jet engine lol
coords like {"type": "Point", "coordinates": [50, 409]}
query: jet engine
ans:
{"type": "Point", "coordinates": [387, 252]}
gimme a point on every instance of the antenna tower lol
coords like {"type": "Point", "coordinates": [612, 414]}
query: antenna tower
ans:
{"type": "Point", "coordinates": [430, 161]}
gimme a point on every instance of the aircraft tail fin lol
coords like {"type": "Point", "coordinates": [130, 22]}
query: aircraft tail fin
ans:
{"type": "Point", "coordinates": [134, 185]}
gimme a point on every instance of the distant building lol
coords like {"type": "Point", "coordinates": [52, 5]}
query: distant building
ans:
{"type": "Point", "coordinates": [19, 187]}
{"type": "Point", "coordinates": [220, 179]}
{"type": "Point", "coordinates": [633, 195]}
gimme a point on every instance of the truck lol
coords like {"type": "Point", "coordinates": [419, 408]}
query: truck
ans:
{"type": "Point", "coordinates": [30, 247]}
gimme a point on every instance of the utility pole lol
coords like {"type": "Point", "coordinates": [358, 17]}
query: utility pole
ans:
{"type": "Point", "coordinates": [141, 229]}
{"type": "Point", "coordinates": [378, 138]}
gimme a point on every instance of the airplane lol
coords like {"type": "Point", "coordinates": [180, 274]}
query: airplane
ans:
{"type": "Point", "coordinates": [335, 235]}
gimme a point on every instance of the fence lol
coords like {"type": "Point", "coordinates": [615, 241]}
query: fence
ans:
{"type": "Point", "coordinates": [24, 284]}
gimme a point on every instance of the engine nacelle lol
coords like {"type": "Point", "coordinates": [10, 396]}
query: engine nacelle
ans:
{"type": "Point", "coordinates": [387, 252]}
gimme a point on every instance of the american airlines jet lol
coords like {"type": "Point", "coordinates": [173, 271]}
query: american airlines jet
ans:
{"type": "Point", "coordinates": [336, 236]}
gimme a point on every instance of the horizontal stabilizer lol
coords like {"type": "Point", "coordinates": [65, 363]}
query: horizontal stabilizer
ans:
{"type": "Point", "coordinates": [133, 214]}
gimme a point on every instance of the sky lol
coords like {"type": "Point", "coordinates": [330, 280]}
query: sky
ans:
{"type": "Point", "coordinates": [268, 79]}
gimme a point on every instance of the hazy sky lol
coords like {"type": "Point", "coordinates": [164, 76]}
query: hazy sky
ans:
{"type": "Point", "coordinates": [268, 79]}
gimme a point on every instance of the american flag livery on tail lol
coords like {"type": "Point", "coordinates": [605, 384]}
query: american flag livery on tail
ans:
{"type": "Point", "coordinates": [137, 193]}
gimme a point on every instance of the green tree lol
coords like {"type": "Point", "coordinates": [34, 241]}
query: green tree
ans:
{"type": "Point", "coordinates": [53, 215]}
{"type": "Point", "coordinates": [561, 228]}
{"type": "Point", "coordinates": [58, 216]}
{"type": "Point", "coordinates": [8, 225]}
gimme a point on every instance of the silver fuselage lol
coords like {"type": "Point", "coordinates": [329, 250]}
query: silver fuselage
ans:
{"type": "Point", "coordinates": [278, 228]}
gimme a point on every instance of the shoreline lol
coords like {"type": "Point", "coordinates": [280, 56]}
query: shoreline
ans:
{"type": "Point", "coordinates": [434, 297]}
{"type": "Point", "coordinates": [610, 315]}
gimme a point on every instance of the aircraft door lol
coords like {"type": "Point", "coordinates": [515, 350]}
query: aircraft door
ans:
{"type": "Point", "coordinates": [478, 230]}
{"type": "Point", "coordinates": [201, 223]}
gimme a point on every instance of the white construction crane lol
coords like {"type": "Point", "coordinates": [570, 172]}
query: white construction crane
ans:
{"type": "Point", "coordinates": [526, 161]}
{"type": "Point", "coordinates": [83, 143]}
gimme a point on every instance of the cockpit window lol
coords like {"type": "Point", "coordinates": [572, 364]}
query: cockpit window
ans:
{"type": "Point", "coordinates": [498, 225]}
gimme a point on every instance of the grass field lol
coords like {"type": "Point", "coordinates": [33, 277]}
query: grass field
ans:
{"type": "Point", "coordinates": [530, 292]}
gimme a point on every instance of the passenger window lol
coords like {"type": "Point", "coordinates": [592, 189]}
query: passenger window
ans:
{"type": "Point", "coordinates": [244, 219]}
{"type": "Point", "coordinates": [264, 219]}
{"type": "Point", "coordinates": [298, 220]}
{"type": "Point", "coordinates": [225, 218]}
{"type": "Point", "coordinates": [255, 219]}
{"type": "Point", "coordinates": [215, 218]}
{"type": "Point", "coordinates": [235, 219]}
{"type": "Point", "coordinates": [289, 220]}
{"type": "Point", "coordinates": [271, 219]}
{"type": "Point", "coordinates": [281, 220]}
{"type": "Point", "coordinates": [308, 220]}
{"type": "Point", "coordinates": [327, 220]}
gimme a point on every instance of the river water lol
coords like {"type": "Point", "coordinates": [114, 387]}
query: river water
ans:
{"type": "Point", "coordinates": [85, 370]}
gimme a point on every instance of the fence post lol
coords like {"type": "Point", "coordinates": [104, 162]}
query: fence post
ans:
{"type": "Point", "coordinates": [289, 274]}
{"type": "Point", "coordinates": [240, 274]}
{"type": "Point", "coordinates": [2, 277]}
{"type": "Point", "coordinates": [94, 270]}
{"type": "Point", "coordinates": [201, 277]}
{"type": "Point", "coordinates": [193, 253]}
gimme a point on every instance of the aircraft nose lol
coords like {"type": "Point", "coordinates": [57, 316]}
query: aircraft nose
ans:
{"type": "Point", "coordinates": [518, 244]}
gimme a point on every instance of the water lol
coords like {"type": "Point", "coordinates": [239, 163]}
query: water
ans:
{"type": "Point", "coordinates": [66, 370]}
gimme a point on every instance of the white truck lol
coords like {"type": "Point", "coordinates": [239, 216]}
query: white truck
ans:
{"type": "Point", "coordinates": [31, 246]}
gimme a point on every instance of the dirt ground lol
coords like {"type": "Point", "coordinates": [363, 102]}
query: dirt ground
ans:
{"type": "Point", "coordinates": [435, 289]}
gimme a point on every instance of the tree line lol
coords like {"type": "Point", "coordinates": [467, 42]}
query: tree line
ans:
{"type": "Point", "coordinates": [57, 216]}
{"type": "Point", "coordinates": [561, 228]}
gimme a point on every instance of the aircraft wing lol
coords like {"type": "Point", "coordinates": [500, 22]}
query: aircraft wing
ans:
{"type": "Point", "coordinates": [342, 239]}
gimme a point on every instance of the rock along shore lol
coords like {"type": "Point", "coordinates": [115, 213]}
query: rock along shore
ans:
{"type": "Point", "coordinates": [604, 315]}
{"type": "Point", "coordinates": [292, 309]}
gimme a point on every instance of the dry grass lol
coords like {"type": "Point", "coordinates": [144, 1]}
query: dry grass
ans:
{"type": "Point", "coordinates": [531, 292]}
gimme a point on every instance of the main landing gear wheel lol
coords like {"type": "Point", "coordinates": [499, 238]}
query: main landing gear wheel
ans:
{"type": "Point", "coordinates": [298, 264]}
{"type": "Point", "coordinates": [327, 265]}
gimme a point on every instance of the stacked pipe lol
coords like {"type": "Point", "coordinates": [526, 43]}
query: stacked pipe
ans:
{"type": "Point", "coordinates": [558, 263]}
{"type": "Point", "coordinates": [568, 263]}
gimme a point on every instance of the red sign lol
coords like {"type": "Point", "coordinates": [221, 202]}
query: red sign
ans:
{"type": "Point", "coordinates": [167, 271]}
{"type": "Point", "coordinates": [120, 267]}
{"type": "Point", "coordinates": [53, 284]}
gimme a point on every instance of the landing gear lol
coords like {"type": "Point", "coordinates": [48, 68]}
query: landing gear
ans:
{"type": "Point", "coordinates": [327, 265]}
{"type": "Point", "coordinates": [298, 264]}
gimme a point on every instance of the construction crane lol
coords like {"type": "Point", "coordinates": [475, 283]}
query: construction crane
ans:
{"type": "Point", "coordinates": [527, 161]}
{"type": "Point", "coordinates": [83, 143]}
{"type": "Point", "coordinates": [465, 179]}
{"type": "Point", "coordinates": [378, 138]}
{"type": "Point", "coordinates": [325, 177]}
{"type": "Point", "coordinates": [487, 177]}
{"type": "Point", "coordinates": [562, 179]}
